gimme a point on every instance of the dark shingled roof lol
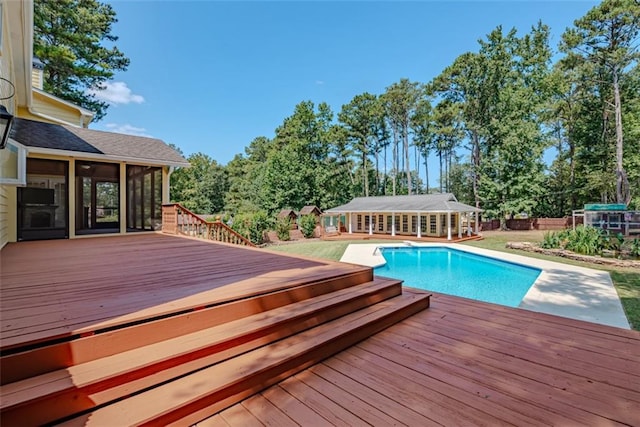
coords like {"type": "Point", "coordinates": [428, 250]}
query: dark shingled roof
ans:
{"type": "Point", "coordinates": [309, 209]}
{"type": "Point", "coordinates": [287, 212]}
{"type": "Point", "coordinates": [116, 145]}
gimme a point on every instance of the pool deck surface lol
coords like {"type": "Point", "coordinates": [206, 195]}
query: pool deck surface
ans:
{"type": "Point", "coordinates": [561, 289]}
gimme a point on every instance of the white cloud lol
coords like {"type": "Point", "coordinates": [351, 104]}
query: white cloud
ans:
{"type": "Point", "coordinates": [116, 93]}
{"type": "Point", "coordinates": [127, 129]}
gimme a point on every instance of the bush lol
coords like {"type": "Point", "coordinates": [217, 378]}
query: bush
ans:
{"type": "Point", "coordinates": [550, 241]}
{"type": "Point", "coordinates": [283, 227]}
{"type": "Point", "coordinates": [252, 226]}
{"type": "Point", "coordinates": [585, 240]}
{"type": "Point", "coordinates": [307, 225]}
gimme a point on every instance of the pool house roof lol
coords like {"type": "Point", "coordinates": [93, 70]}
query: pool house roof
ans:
{"type": "Point", "coordinates": [441, 202]}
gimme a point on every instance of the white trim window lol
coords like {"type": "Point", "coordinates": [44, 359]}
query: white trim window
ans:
{"type": "Point", "coordinates": [13, 164]}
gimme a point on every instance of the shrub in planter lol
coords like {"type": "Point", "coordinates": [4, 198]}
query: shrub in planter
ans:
{"type": "Point", "coordinates": [283, 226]}
{"type": "Point", "coordinates": [307, 225]}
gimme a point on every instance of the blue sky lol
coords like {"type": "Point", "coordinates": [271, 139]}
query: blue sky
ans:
{"type": "Point", "coordinates": [210, 76]}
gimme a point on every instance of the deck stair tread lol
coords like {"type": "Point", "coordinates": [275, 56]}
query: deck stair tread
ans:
{"type": "Point", "coordinates": [90, 313]}
{"type": "Point", "coordinates": [47, 358]}
{"type": "Point", "coordinates": [196, 396]}
{"type": "Point", "coordinates": [192, 351]}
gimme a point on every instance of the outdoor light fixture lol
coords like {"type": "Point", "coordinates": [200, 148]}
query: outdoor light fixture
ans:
{"type": "Point", "coordinates": [6, 119]}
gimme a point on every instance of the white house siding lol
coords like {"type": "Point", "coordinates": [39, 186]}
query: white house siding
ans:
{"type": "Point", "coordinates": [7, 214]}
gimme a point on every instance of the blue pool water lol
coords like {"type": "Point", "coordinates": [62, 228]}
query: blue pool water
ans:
{"type": "Point", "coordinates": [459, 273]}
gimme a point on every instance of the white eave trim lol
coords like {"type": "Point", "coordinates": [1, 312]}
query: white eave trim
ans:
{"type": "Point", "coordinates": [82, 110]}
{"type": "Point", "coordinates": [105, 157]}
{"type": "Point", "coordinates": [400, 211]}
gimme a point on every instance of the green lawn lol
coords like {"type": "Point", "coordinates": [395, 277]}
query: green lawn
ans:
{"type": "Point", "coordinates": [626, 280]}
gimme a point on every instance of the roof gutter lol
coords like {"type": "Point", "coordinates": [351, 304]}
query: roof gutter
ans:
{"type": "Point", "coordinates": [103, 157]}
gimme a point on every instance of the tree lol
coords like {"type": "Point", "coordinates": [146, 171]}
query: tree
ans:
{"type": "Point", "coordinates": [446, 134]}
{"type": "Point", "coordinates": [246, 176]}
{"type": "Point", "coordinates": [69, 38]}
{"type": "Point", "coordinates": [466, 83]}
{"type": "Point", "coordinates": [400, 100]}
{"type": "Point", "coordinates": [200, 188]}
{"type": "Point", "coordinates": [296, 166]}
{"type": "Point", "coordinates": [607, 36]}
{"type": "Point", "coordinates": [358, 119]}
{"type": "Point", "coordinates": [423, 133]}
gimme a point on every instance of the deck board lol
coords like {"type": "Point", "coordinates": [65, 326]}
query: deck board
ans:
{"type": "Point", "coordinates": [54, 289]}
{"type": "Point", "coordinates": [465, 362]}
{"type": "Point", "coordinates": [461, 362]}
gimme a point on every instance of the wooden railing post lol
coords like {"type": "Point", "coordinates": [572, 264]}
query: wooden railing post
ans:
{"type": "Point", "coordinates": [169, 219]}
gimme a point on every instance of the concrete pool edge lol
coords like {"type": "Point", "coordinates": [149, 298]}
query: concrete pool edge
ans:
{"type": "Point", "coordinates": [560, 289]}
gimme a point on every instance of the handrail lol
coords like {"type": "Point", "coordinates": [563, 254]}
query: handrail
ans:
{"type": "Point", "coordinates": [176, 219]}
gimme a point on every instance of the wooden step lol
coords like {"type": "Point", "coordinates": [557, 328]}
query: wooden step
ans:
{"type": "Point", "coordinates": [197, 396]}
{"type": "Point", "coordinates": [54, 395]}
{"type": "Point", "coordinates": [93, 345]}
{"type": "Point", "coordinates": [144, 296]}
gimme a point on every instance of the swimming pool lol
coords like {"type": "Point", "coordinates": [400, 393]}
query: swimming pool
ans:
{"type": "Point", "coordinates": [454, 272]}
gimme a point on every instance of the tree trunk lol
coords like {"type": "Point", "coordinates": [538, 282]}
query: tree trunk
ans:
{"type": "Point", "coordinates": [426, 170]}
{"type": "Point", "coordinates": [475, 154]}
{"type": "Point", "coordinates": [623, 194]}
{"type": "Point", "coordinates": [377, 172]}
{"type": "Point", "coordinates": [407, 159]}
{"type": "Point", "coordinates": [384, 178]}
{"type": "Point", "coordinates": [395, 158]}
{"type": "Point", "coordinates": [365, 175]}
{"type": "Point", "coordinates": [440, 159]}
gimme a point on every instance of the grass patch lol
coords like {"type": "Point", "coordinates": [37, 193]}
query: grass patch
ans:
{"type": "Point", "coordinates": [625, 280]}
{"type": "Point", "coordinates": [628, 286]}
{"type": "Point", "coordinates": [327, 250]}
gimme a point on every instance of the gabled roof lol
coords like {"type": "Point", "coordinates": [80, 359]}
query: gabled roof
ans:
{"type": "Point", "coordinates": [441, 202]}
{"type": "Point", "coordinates": [40, 137]}
{"type": "Point", "coordinates": [306, 210]}
{"type": "Point", "coordinates": [287, 212]}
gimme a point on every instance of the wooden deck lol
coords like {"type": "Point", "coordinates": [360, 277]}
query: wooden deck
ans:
{"type": "Point", "coordinates": [161, 330]}
{"type": "Point", "coordinates": [63, 288]}
{"type": "Point", "coordinates": [463, 362]}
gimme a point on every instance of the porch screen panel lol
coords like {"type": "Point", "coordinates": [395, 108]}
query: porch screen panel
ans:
{"type": "Point", "coordinates": [144, 198]}
{"type": "Point", "coordinates": [42, 204]}
{"type": "Point", "coordinates": [97, 197]}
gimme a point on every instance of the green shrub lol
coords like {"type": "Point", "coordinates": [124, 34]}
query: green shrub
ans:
{"type": "Point", "coordinates": [252, 226]}
{"type": "Point", "coordinates": [283, 227]}
{"type": "Point", "coordinates": [585, 240]}
{"type": "Point", "coordinates": [551, 240]}
{"type": "Point", "coordinates": [307, 225]}
{"type": "Point", "coordinates": [635, 248]}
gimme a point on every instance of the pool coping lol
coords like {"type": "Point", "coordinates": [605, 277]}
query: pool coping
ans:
{"type": "Point", "coordinates": [560, 289]}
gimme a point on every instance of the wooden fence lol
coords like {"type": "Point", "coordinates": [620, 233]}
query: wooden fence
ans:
{"type": "Point", "coordinates": [532, 224]}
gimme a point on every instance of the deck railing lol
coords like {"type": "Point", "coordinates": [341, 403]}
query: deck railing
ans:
{"type": "Point", "coordinates": [176, 219]}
